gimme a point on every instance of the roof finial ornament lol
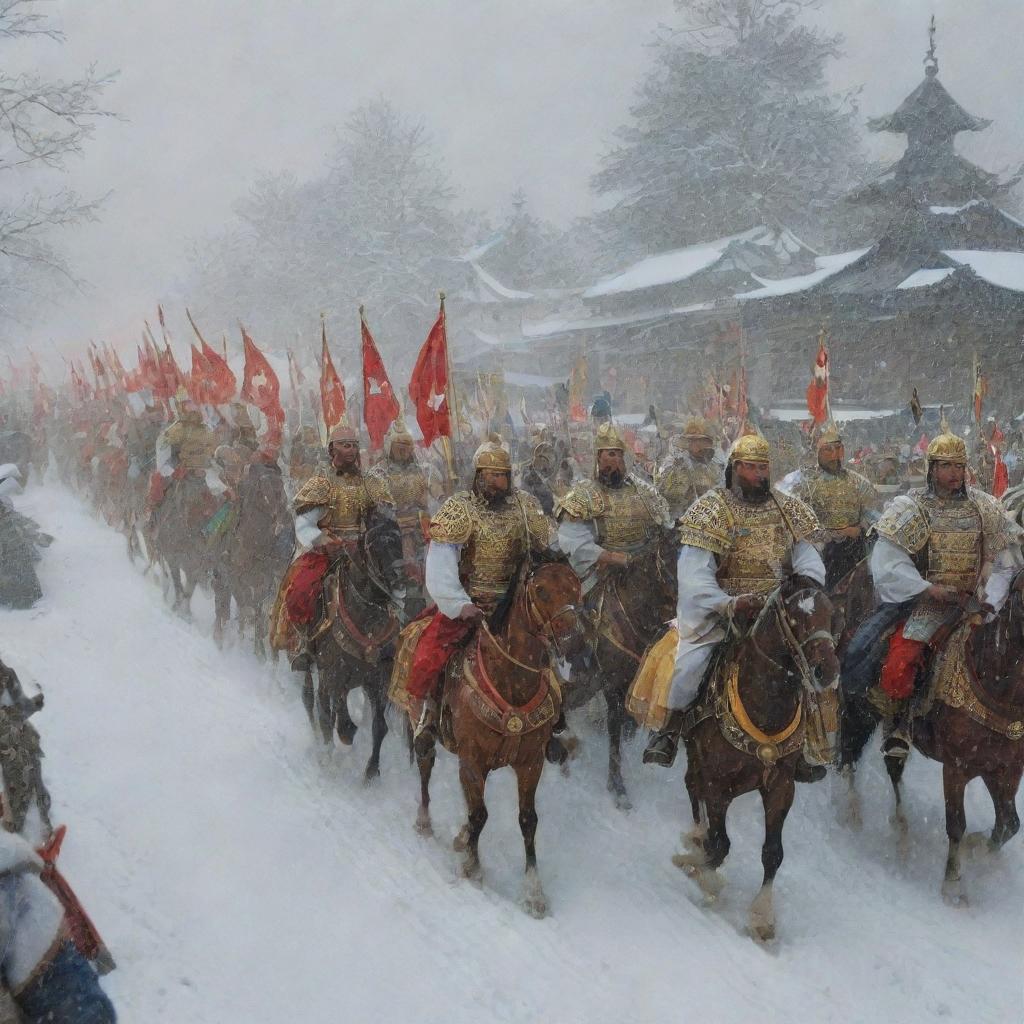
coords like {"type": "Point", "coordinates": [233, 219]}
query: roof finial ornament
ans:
{"type": "Point", "coordinates": [931, 62]}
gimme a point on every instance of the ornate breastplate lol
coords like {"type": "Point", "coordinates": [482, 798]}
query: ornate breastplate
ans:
{"type": "Point", "coordinates": [348, 506]}
{"type": "Point", "coordinates": [682, 482]}
{"type": "Point", "coordinates": [495, 548]}
{"type": "Point", "coordinates": [408, 489]}
{"type": "Point", "coordinates": [626, 523]}
{"type": "Point", "coordinates": [760, 550]}
{"type": "Point", "coordinates": [834, 497]}
{"type": "Point", "coordinates": [954, 542]}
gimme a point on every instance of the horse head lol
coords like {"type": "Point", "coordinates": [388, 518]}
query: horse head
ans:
{"type": "Point", "coordinates": [381, 549]}
{"type": "Point", "coordinates": [551, 595]}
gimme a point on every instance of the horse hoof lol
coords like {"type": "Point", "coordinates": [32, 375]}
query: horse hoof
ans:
{"type": "Point", "coordinates": [461, 841]}
{"type": "Point", "coordinates": [536, 907]}
{"type": "Point", "coordinates": [954, 894]}
{"type": "Point", "coordinates": [424, 827]}
{"type": "Point", "coordinates": [622, 802]}
{"type": "Point", "coordinates": [763, 931]}
{"type": "Point", "coordinates": [346, 734]}
{"type": "Point", "coordinates": [690, 862]}
{"type": "Point", "coordinates": [471, 870]}
{"type": "Point", "coordinates": [694, 839]}
{"type": "Point", "coordinates": [370, 776]}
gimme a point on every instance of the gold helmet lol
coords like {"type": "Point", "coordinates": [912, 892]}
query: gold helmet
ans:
{"type": "Point", "coordinates": [750, 447]}
{"type": "Point", "coordinates": [608, 439]}
{"type": "Point", "coordinates": [492, 454]}
{"type": "Point", "coordinates": [343, 432]}
{"type": "Point", "coordinates": [830, 435]}
{"type": "Point", "coordinates": [398, 431]}
{"type": "Point", "coordinates": [696, 429]}
{"type": "Point", "coordinates": [947, 447]}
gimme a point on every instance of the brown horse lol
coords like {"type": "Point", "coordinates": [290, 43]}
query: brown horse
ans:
{"type": "Point", "coordinates": [747, 731]}
{"type": "Point", "coordinates": [632, 607]}
{"type": "Point", "coordinates": [971, 720]}
{"type": "Point", "coordinates": [355, 642]}
{"type": "Point", "coordinates": [853, 598]}
{"type": "Point", "coordinates": [500, 706]}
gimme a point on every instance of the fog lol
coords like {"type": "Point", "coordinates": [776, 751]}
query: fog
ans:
{"type": "Point", "coordinates": [522, 94]}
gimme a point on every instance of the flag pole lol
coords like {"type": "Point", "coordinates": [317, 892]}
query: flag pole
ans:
{"type": "Point", "coordinates": [362, 364]}
{"type": "Point", "coordinates": [448, 443]}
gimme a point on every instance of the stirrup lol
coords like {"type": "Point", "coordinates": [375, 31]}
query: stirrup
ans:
{"type": "Point", "coordinates": [805, 771]}
{"type": "Point", "coordinates": [897, 746]}
{"type": "Point", "coordinates": [662, 747]}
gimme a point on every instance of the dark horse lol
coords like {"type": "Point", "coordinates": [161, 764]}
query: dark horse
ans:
{"type": "Point", "coordinates": [975, 728]}
{"type": "Point", "coordinates": [747, 733]}
{"type": "Point", "coordinates": [500, 706]}
{"type": "Point", "coordinates": [354, 645]}
{"type": "Point", "coordinates": [631, 610]}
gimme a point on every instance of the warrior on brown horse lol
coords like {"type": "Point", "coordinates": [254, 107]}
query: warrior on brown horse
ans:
{"type": "Point", "coordinates": [500, 703]}
{"type": "Point", "coordinates": [950, 683]}
{"type": "Point", "coordinates": [337, 603]}
{"type": "Point", "coordinates": [613, 527]}
{"type": "Point", "coordinates": [477, 669]}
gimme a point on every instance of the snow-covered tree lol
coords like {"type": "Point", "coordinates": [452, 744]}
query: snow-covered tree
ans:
{"type": "Point", "coordinates": [43, 123]}
{"type": "Point", "coordinates": [733, 127]}
{"type": "Point", "coordinates": [375, 227]}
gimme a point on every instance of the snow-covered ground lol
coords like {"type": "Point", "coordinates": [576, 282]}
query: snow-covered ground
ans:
{"type": "Point", "coordinates": [236, 879]}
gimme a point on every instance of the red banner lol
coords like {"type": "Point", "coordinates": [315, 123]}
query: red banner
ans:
{"type": "Point", "coordinates": [261, 388]}
{"type": "Point", "coordinates": [817, 390]}
{"type": "Point", "coordinates": [428, 387]}
{"type": "Point", "coordinates": [332, 390]}
{"type": "Point", "coordinates": [380, 406]}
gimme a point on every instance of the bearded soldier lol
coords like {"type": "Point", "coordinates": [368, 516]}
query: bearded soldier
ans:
{"type": "Point", "coordinates": [538, 476]}
{"type": "Point", "coordinates": [399, 474]}
{"type": "Point", "coordinates": [331, 514]}
{"type": "Point", "coordinates": [690, 469]}
{"type": "Point", "coordinates": [843, 501]}
{"type": "Point", "coordinates": [738, 543]}
{"type": "Point", "coordinates": [942, 551]}
{"type": "Point", "coordinates": [603, 522]}
{"type": "Point", "coordinates": [479, 541]}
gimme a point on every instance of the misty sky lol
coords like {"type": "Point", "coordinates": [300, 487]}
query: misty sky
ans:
{"type": "Point", "coordinates": [517, 94]}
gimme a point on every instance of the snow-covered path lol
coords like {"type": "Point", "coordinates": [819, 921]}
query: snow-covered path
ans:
{"type": "Point", "coordinates": [238, 880]}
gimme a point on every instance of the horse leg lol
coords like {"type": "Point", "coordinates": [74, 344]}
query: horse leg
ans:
{"type": "Point", "coordinates": [857, 723]}
{"type": "Point", "coordinates": [374, 690]}
{"type": "Point", "coordinates": [309, 698]}
{"type": "Point", "coordinates": [528, 777]}
{"type": "Point", "coordinates": [702, 863]}
{"type": "Point", "coordinates": [343, 725]}
{"type": "Point", "coordinates": [324, 703]}
{"type": "Point", "coordinates": [473, 779]}
{"type": "Point", "coordinates": [954, 782]}
{"type": "Point", "coordinates": [615, 699]}
{"type": "Point", "coordinates": [1003, 788]}
{"type": "Point", "coordinates": [425, 763]}
{"type": "Point", "coordinates": [694, 839]}
{"type": "Point", "coordinates": [777, 799]}
{"type": "Point", "coordinates": [221, 608]}
{"type": "Point", "coordinates": [894, 766]}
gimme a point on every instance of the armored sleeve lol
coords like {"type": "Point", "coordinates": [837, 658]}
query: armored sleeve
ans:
{"type": "Point", "coordinates": [539, 527]}
{"type": "Point", "coordinates": [314, 493]}
{"type": "Point", "coordinates": [583, 502]}
{"type": "Point", "coordinates": [378, 490]}
{"type": "Point", "coordinates": [800, 518]}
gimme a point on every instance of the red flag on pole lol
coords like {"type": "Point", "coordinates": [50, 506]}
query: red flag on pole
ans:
{"type": "Point", "coordinates": [817, 390]}
{"type": "Point", "coordinates": [428, 387]}
{"type": "Point", "coordinates": [198, 384]}
{"type": "Point", "coordinates": [332, 390]}
{"type": "Point", "coordinates": [380, 406]}
{"type": "Point", "coordinates": [219, 381]}
{"type": "Point", "coordinates": [261, 388]}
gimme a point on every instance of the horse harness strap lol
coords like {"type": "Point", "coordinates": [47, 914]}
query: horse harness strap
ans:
{"type": "Point", "coordinates": [495, 712]}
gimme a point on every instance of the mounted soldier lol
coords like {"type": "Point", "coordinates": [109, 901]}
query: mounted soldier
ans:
{"type": "Point", "coordinates": [331, 514]}
{"type": "Point", "coordinates": [739, 542]}
{"type": "Point", "coordinates": [690, 469]}
{"type": "Point", "coordinates": [537, 477]}
{"type": "Point", "coordinates": [605, 521]}
{"type": "Point", "coordinates": [480, 541]}
{"type": "Point", "coordinates": [402, 477]}
{"type": "Point", "coordinates": [844, 502]}
{"type": "Point", "coordinates": [943, 551]}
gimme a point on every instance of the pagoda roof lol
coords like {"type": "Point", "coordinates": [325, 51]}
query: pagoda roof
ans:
{"type": "Point", "coordinates": [930, 110]}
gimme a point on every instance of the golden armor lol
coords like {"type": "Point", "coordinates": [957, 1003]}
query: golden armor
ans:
{"type": "Point", "coordinates": [753, 542]}
{"type": "Point", "coordinates": [626, 517]}
{"type": "Point", "coordinates": [191, 443]}
{"type": "Point", "coordinates": [347, 499]}
{"type": "Point", "coordinates": [838, 499]}
{"type": "Point", "coordinates": [494, 540]}
{"type": "Point", "coordinates": [681, 480]}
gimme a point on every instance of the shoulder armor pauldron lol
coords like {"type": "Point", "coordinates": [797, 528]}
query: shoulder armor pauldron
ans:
{"type": "Point", "coordinates": [314, 492]}
{"type": "Point", "coordinates": [583, 501]}
{"type": "Point", "coordinates": [707, 524]}
{"type": "Point", "coordinates": [904, 523]}
{"type": "Point", "coordinates": [653, 500]}
{"type": "Point", "coordinates": [453, 521]}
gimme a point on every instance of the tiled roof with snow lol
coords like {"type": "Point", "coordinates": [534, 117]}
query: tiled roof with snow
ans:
{"type": "Point", "coordinates": [827, 266]}
{"type": "Point", "coordinates": [926, 278]}
{"type": "Point", "coordinates": [502, 291]}
{"type": "Point", "coordinates": [681, 264]}
{"type": "Point", "coordinates": [562, 325]}
{"type": "Point", "coordinates": [1003, 269]}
